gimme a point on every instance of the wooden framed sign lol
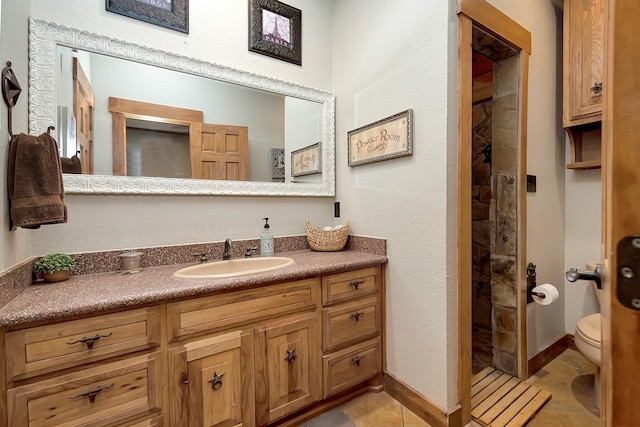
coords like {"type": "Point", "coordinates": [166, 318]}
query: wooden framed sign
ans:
{"type": "Point", "coordinates": [306, 161]}
{"type": "Point", "coordinates": [385, 139]}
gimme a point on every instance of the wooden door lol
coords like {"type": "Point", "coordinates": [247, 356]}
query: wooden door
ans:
{"type": "Point", "coordinates": [211, 382]}
{"type": "Point", "coordinates": [288, 366]}
{"type": "Point", "coordinates": [221, 153]}
{"type": "Point", "coordinates": [621, 216]}
{"type": "Point", "coordinates": [83, 105]}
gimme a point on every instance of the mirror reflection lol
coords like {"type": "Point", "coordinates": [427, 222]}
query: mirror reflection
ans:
{"type": "Point", "coordinates": [134, 119]}
{"type": "Point", "coordinates": [307, 118]}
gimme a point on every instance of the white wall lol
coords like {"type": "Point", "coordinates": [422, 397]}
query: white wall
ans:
{"type": "Point", "coordinates": [14, 245]}
{"type": "Point", "coordinates": [389, 57]}
{"type": "Point", "coordinates": [398, 60]}
{"type": "Point", "coordinates": [545, 160]}
{"type": "Point", "coordinates": [583, 230]}
{"type": "Point", "coordinates": [217, 33]}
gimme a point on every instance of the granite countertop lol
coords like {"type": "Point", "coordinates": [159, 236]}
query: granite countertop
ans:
{"type": "Point", "coordinates": [93, 293]}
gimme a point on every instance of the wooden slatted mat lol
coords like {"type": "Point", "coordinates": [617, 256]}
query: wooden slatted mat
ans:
{"type": "Point", "coordinates": [498, 399]}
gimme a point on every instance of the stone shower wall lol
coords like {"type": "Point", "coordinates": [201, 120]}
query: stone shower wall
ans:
{"type": "Point", "coordinates": [502, 212]}
{"type": "Point", "coordinates": [481, 237]}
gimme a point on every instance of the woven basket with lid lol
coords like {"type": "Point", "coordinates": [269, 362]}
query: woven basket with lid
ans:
{"type": "Point", "coordinates": [327, 241]}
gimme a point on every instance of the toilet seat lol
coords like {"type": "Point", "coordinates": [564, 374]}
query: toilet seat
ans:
{"type": "Point", "coordinates": [589, 330]}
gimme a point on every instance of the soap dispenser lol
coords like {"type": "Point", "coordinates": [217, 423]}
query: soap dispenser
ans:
{"type": "Point", "coordinates": [266, 240]}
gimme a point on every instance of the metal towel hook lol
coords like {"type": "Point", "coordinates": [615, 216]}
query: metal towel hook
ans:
{"type": "Point", "coordinates": [10, 92]}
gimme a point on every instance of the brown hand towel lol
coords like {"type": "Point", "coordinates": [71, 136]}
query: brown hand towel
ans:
{"type": "Point", "coordinates": [71, 165]}
{"type": "Point", "coordinates": [36, 192]}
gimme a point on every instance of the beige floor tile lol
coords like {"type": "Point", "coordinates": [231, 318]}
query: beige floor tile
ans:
{"type": "Point", "coordinates": [569, 378]}
{"type": "Point", "coordinates": [374, 409]}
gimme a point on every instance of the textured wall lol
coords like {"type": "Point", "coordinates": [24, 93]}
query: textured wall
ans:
{"type": "Point", "coordinates": [388, 57]}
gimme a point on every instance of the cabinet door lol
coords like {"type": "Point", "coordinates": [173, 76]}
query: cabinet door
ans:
{"type": "Point", "coordinates": [212, 383]}
{"type": "Point", "coordinates": [584, 60]}
{"type": "Point", "coordinates": [288, 366]}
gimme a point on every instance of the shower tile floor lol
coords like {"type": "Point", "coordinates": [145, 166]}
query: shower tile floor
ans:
{"type": "Point", "coordinates": [569, 378]}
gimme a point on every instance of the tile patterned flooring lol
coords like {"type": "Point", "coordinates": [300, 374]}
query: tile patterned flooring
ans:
{"type": "Point", "coordinates": [569, 378]}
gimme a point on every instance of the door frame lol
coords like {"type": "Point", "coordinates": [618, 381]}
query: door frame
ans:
{"type": "Point", "coordinates": [493, 21]}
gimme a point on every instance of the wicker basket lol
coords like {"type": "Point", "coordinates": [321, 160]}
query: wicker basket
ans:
{"type": "Point", "coordinates": [327, 241]}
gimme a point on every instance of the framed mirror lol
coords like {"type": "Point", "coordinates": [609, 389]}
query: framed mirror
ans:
{"type": "Point", "coordinates": [47, 44]}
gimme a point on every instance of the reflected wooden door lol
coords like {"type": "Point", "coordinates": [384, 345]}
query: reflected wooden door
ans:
{"type": "Point", "coordinates": [83, 105]}
{"type": "Point", "coordinates": [222, 152]}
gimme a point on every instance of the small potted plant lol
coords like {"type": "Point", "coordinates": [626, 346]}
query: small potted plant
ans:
{"type": "Point", "coordinates": [55, 267]}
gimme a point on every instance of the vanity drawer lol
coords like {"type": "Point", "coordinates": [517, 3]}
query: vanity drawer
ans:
{"type": "Point", "coordinates": [350, 322]}
{"type": "Point", "coordinates": [97, 396]}
{"type": "Point", "coordinates": [349, 285]}
{"type": "Point", "coordinates": [48, 348]}
{"type": "Point", "coordinates": [239, 307]}
{"type": "Point", "coordinates": [351, 366]}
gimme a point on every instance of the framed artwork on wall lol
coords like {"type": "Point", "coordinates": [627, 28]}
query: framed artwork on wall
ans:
{"type": "Point", "coordinates": [385, 139]}
{"type": "Point", "coordinates": [172, 14]}
{"type": "Point", "coordinates": [306, 161]}
{"type": "Point", "coordinates": [275, 29]}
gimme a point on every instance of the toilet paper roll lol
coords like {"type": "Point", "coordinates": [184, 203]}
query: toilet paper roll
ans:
{"type": "Point", "coordinates": [550, 292]}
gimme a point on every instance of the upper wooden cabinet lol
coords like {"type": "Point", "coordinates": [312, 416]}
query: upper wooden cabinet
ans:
{"type": "Point", "coordinates": [583, 75]}
{"type": "Point", "coordinates": [583, 61]}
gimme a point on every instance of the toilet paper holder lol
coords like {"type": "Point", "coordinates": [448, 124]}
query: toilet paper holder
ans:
{"type": "Point", "coordinates": [531, 283]}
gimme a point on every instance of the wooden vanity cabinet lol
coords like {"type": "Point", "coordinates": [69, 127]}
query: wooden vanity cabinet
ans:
{"type": "Point", "coordinates": [583, 76]}
{"type": "Point", "coordinates": [252, 357]}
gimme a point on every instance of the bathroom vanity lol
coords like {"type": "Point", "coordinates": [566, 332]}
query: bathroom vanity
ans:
{"type": "Point", "coordinates": [150, 349]}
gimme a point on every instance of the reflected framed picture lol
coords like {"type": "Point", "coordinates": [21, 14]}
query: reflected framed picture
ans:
{"type": "Point", "coordinates": [277, 164]}
{"type": "Point", "coordinates": [275, 29]}
{"type": "Point", "coordinates": [172, 14]}
{"type": "Point", "coordinates": [306, 161]}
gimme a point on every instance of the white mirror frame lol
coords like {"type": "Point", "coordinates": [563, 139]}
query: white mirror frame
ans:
{"type": "Point", "coordinates": [44, 38]}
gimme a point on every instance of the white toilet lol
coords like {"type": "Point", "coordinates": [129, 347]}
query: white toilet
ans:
{"type": "Point", "coordinates": [588, 339]}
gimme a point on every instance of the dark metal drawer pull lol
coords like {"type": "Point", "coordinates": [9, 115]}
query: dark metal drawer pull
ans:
{"type": "Point", "coordinates": [596, 88]}
{"type": "Point", "coordinates": [91, 394]}
{"type": "Point", "coordinates": [291, 356]}
{"type": "Point", "coordinates": [356, 316]}
{"type": "Point", "coordinates": [356, 360]}
{"type": "Point", "coordinates": [91, 340]}
{"type": "Point", "coordinates": [216, 381]}
{"type": "Point", "coordinates": [356, 284]}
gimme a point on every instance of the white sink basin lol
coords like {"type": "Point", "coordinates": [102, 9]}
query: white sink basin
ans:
{"type": "Point", "coordinates": [233, 267]}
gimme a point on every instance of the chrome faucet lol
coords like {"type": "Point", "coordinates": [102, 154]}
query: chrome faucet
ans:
{"type": "Point", "coordinates": [226, 253]}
